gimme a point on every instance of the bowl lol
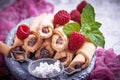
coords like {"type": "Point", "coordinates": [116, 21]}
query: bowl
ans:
{"type": "Point", "coordinates": [20, 70]}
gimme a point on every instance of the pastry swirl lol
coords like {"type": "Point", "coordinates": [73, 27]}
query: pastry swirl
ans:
{"type": "Point", "coordinates": [77, 62]}
{"type": "Point", "coordinates": [85, 54]}
{"type": "Point", "coordinates": [17, 42]}
{"type": "Point", "coordinates": [34, 24]}
{"type": "Point", "coordinates": [65, 57]}
{"type": "Point", "coordinates": [43, 25]}
{"type": "Point", "coordinates": [59, 39]}
{"type": "Point", "coordinates": [17, 49]}
{"type": "Point", "coordinates": [32, 43]}
{"type": "Point", "coordinates": [45, 51]}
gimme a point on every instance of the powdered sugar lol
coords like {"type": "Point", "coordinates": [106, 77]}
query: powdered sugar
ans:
{"type": "Point", "coordinates": [45, 70]}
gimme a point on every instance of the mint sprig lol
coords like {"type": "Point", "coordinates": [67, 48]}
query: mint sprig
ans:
{"type": "Point", "coordinates": [90, 28]}
{"type": "Point", "coordinates": [70, 27]}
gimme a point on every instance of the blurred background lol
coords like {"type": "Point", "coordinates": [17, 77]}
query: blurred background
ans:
{"type": "Point", "coordinates": [107, 12]}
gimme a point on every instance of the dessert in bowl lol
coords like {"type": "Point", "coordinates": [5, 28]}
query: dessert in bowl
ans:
{"type": "Point", "coordinates": [57, 37]}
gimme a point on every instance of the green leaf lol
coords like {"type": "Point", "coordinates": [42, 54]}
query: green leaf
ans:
{"type": "Point", "coordinates": [95, 25]}
{"type": "Point", "coordinates": [90, 28]}
{"type": "Point", "coordinates": [97, 38]}
{"type": "Point", "coordinates": [88, 14]}
{"type": "Point", "coordinates": [70, 27]}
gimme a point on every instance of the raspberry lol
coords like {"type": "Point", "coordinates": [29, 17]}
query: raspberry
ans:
{"type": "Point", "coordinates": [81, 6]}
{"type": "Point", "coordinates": [23, 31]}
{"type": "Point", "coordinates": [75, 16]}
{"type": "Point", "coordinates": [61, 17]}
{"type": "Point", "coordinates": [76, 40]}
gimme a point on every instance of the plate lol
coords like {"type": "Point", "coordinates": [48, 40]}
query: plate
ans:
{"type": "Point", "coordinates": [20, 70]}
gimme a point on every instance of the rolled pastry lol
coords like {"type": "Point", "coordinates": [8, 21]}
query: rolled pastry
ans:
{"type": "Point", "coordinates": [4, 49]}
{"type": "Point", "coordinates": [43, 25]}
{"type": "Point", "coordinates": [65, 57]}
{"type": "Point", "coordinates": [76, 63]}
{"type": "Point", "coordinates": [59, 39]}
{"type": "Point", "coordinates": [18, 52]}
{"type": "Point", "coordinates": [32, 43]}
{"type": "Point", "coordinates": [34, 24]}
{"type": "Point", "coordinates": [46, 50]}
{"type": "Point", "coordinates": [17, 42]}
{"type": "Point", "coordinates": [16, 48]}
{"type": "Point", "coordinates": [87, 50]}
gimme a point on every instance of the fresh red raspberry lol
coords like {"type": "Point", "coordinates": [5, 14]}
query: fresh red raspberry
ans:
{"type": "Point", "coordinates": [76, 40]}
{"type": "Point", "coordinates": [23, 31]}
{"type": "Point", "coordinates": [75, 16]}
{"type": "Point", "coordinates": [81, 6]}
{"type": "Point", "coordinates": [61, 17]}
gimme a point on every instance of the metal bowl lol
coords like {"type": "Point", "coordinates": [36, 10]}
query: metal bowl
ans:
{"type": "Point", "coordinates": [20, 70]}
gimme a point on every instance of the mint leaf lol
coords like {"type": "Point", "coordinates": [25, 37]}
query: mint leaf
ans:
{"type": "Point", "coordinates": [90, 28]}
{"type": "Point", "coordinates": [88, 14]}
{"type": "Point", "coordinates": [70, 27]}
{"type": "Point", "coordinates": [95, 25]}
{"type": "Point", "coordinates": [96, 37]}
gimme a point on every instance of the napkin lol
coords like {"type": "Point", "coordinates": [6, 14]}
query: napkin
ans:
{"type": "Point", "coordinates": [107, 66]}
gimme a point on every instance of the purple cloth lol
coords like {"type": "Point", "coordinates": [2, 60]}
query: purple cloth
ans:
{"type": "Point", "coordinates": [13, 14]}
{"type": "Point", "coordinates": [19, 10]}
{"type": "Point", "coordinates": [107, 66]}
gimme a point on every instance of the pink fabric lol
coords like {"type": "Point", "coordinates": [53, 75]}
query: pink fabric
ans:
{"type": "Point", "coordinates": [19, 10]}
{"type": "Point", "coordinates": [107, 66]}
